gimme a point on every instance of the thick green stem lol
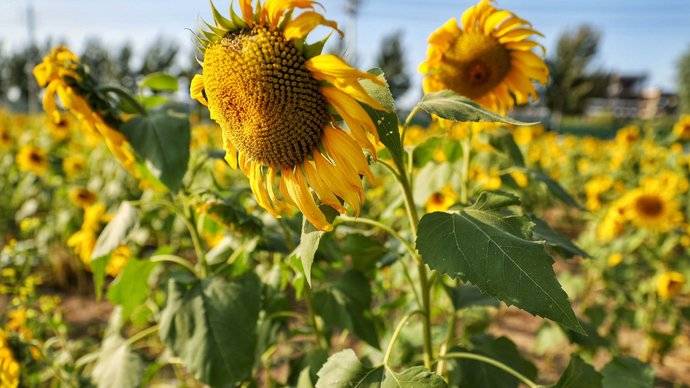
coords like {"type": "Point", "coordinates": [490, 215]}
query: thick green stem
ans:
{"type": "Point", "coordinates": [421, 267]}
{"type": "Point", "coordinates": [450, 338]}
{"type": "Point", "coordinates": [142, 334]}
{"type": "Point", "coordinates": [497, 364]}
{"type": "Point", "coordinates": [465, 173]}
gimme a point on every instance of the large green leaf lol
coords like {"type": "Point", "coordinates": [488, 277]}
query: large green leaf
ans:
{"type": "Point", "coordinates": [211, 326]}
{"type": "Point", "coordinates": [130, 289]}
{"type": "Point", "coordinates": [627, 372]}
{"type": "Point", "coordinates": [117, 366]}
{"type": "Point", "coordinates": [579, 374]}
{"type": "Point", "coordinates": [387, 123]}
{"type": "Point", "coordinates": [161, 139]}
{"type": "Point", "coordinates": [499, 262]}
{"type": "Point", "coordinates": [449, 105]}
{"type": "Point", "coordinates": [480, 374]}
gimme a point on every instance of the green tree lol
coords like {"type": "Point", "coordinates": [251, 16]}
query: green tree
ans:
{"type": "Point", "coordinates": [571, 76]}
{"type": "Point", "coordinates": [684, 81]}
{"type": "Point", "coordinates": [392, 61]}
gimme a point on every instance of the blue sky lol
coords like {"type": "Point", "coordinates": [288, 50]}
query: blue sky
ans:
{"type": "Point", "coordinates": [638, 35]}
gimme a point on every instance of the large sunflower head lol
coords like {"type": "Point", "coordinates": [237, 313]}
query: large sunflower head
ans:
{"type": "Point", "coordinates": [488, 57]}
{"type": "Point", "coordinates": [279, 102]}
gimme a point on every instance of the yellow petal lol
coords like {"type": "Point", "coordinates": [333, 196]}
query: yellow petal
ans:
{"type": "Point", "coordinates": [247, 11]}
{"type": "Point", "coordinates": [297, 189]}
{"type": "Point", "coordinates": [330, 68]}
{"type": "Point", "coordinates": [196, 89]}
{"type": "Point", "coordinates": [495, 19]}
{"type": "Point", "coordinates": [273, 10]}
{"type": "Point", "coordinates": [302, 25]}
{"type": "Point", "coordinates": [325, 194]}
{"type": "Point", "coordinates": [354, 115]}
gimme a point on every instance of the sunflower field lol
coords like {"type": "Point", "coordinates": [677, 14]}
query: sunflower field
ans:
{"type": "Point", "coordinates": [289, 224]}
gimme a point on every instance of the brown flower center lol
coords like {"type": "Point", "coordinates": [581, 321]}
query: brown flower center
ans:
{"type": "Point", "coordinates": [263, 96]}
{"type": "Point", "coordinates": [649, 205]}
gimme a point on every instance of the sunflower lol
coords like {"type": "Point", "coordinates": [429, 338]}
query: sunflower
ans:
{"type": "Point", "coordinates": [32, 159]}
{"type": "Point", "coordinates": [9, 367]}
{"type": "Point", "coordinates": [73, 165]}
{"type": "Point", "coordinates": [82, 197]}
{"type": "Point", "coordinates": [682, 128]}
{"type": "Point", "coordinates": [488, 58]}
{"type": "Point", "coordinates": [64, 78]}
{"type": "Point", "coordinates": [5, 137]}
{"type": "Point", "coordinates": [441, 200]}
{"type": "Point", "coordinates": [59, 127]}
{"type": "Point", "coordinates": [84, 240]}
{"type": "Point", "coordinates": [669, 284]}
{"type": "Point", "coordinates": [274, 98]}
{"type": "Point", "coordinates": [652, 210]}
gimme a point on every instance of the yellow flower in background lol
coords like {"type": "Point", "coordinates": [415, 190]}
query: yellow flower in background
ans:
{"type": "Point", "coordinates": [520, 178]}
{"type": "Point", "coordinates": [84, 240]}
{"type": "Point", "coordinates": [524, 135]}
{"type": "Point", "coordinates": [669, 284]}
{"type": "Point", "coordinates": [668, 182]}
{"type": "Point", "coordinates": [613, 222]}
{"type": "Point", "coordinates": [682, 128]}
{"type": "Point", "coordinates": [6, 140]}
{"type": "Point", "coordinates": [82, 197]}
{"type": "Point", "coordinates": [487, 180]}
{"type": "Point", "coordinates": [274, 105]}
{"type": "Point", "coordinates": [118, 259]}
{"type": "Point", "coordinates": [614, 259]}
{"type": "Point", "coordinates": [73, 165]}
{"type": "Point", "coordinates": [32, 159]}
{"type": "Point", "coordinates": [488, 57]}
{"type": "Point", "coordinates": [60, 127]}
{"type": "Point", "coordinates": [594, 188]}
{"type": "Point", "coordinates": [652, 210]}
{"type": "Point", "coordinates": [628, 136]}
{"type": "Point", "coordinates": [442, 200]}
{"type": "Point", "coordinates": [9, 367]}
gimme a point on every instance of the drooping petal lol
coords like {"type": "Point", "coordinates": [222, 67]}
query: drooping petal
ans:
{"type": "Point", "coordinates": [305, 23]}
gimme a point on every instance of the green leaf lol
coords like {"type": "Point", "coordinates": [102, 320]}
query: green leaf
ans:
{"type": "Point", "coordinates": [480, 374]}
{"type": "Point", "coordinates": [543, 231]}
{"type": "Point", "coordinates": [415, 377]}
{"type": "Point", "coordinates": [515, 270]}
{"type": "Point", "coordinates": [308, 245]}
{"type": "Point", "coordinates": [495, 200]}
{"type": "Point", "coordinates": [555, 188]}
{"type": "Point", "coordinates": [130, 289]}
{"type": "Point", "coordinates": [344, 370]}
{"type": "Point", "coordinates": [386, 122]}
{"type": "Point", "coordinates": [154, 101]}
{"type": "Point", "coordinates": [504, 142]}
{"type": "Point", "coordinates": [627, 372]}
{"type": "Point", "coordinates": [117, 366]}
{"type": "Point", "coordinates": [161, 139]}
{"type": "Point", "coordinates": [115, 233]}
{"type": "Point", "coordinates": [467, 295]}
{"type": "Point", "coordinates": [579, 374]}
{"type": "Point", "coordinates": [234, 217]}
{"type": "Point", "coordinates": [211, 326]}
{"type": "Point", "coordinates": [160, 82]}
{"type": "Point", "coordinates": [344, 305]}
{"type": "Point", "coordinates": [365, 251]}
{"type": "Point", "coordinates": [448, 105]}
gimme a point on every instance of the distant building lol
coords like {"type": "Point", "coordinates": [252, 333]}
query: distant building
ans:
{"type": "Point", "coordinates": [627, 98]}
